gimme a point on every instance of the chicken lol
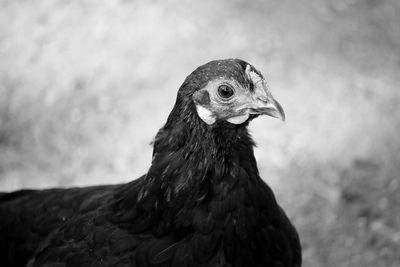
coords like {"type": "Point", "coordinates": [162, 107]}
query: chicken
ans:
{"type": "Point", "coordinates": [201, 203]}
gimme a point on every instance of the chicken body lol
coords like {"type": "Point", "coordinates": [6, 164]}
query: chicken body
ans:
{"type": "Point", "coordinates": [202, 202]}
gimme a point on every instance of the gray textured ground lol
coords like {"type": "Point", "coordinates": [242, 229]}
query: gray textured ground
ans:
{"type": "Point", "coordinates": [84, 86]}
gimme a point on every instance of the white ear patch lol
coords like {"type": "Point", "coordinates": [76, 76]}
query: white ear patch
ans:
{"type": "Point", "coordinates": [238, 119]}
{"type": "Point", "coordinates": [206, 115]}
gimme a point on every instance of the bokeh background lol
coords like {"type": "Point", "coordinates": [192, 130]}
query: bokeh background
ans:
{"type": "Point", "coordinates": [85, 85]}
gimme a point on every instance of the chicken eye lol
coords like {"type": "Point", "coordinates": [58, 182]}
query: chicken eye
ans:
{"type": "Point", "coordinates": [225, 92]}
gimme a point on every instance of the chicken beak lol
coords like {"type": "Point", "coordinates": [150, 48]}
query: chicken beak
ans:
{"type": "Point", "coordinates": [265, 104]}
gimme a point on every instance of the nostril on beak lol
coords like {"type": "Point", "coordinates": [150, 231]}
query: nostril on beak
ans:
{"type": "Point", "coordinates": [263, 98]}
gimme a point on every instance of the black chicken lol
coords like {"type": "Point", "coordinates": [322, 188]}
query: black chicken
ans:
{"type": "Point", "coordinates": [202, 202]}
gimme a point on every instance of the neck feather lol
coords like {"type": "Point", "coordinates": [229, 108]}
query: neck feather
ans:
{"type": "Point", "coordinates": [189, 153]}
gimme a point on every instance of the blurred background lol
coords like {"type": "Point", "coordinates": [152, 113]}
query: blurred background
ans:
{"type": "Point", "coordinates": [85, 85]}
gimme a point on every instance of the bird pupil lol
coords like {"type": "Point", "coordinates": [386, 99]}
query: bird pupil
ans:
{"type": "Point", "coordinates": [225, 91]}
